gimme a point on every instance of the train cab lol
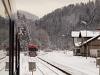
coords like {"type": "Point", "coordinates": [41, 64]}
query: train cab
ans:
{"type": "Point", "coordinates": [32, 50]}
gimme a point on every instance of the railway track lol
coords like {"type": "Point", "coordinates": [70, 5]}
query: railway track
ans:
{"type": "Point", "coordinates": [55, 70]}
{"type": "Point", "coordinates": [2, 60]}
{"type": "Point", "coordinates": [63, 71]}
{"type": "Point", "coordinates": [45, 69]}
{"type": "Point", "coordinates": [2, 55]}
{"type": "Point", "coordinates": [40, 70]}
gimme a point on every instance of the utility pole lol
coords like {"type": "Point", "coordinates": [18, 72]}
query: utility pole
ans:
{"type": "Point", "coordinates": [85, 23]}
{"type": "Point", "coordinates": [17, 54]}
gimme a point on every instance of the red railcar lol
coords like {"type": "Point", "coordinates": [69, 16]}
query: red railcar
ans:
{"type": "Point", "coordinates": [32, 50]}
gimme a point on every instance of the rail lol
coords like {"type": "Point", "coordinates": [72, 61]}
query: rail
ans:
{"type": "Point", "coordinates": [2, 54]}
{"type": "Point", "coordinates": [48, 67]}
{"type": "Point", "coordinates": [2, 59]}
{"type": "Point", "coordinates": [40, 70]}
{"type": "Point", "coordinates": [55, 66]}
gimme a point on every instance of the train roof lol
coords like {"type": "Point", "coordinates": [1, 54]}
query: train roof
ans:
{"type": "Point", "coordinates": [32, 46]}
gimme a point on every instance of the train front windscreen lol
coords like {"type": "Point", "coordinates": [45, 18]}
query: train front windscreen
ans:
{"type": "Point", "coordinates": [32, 50]}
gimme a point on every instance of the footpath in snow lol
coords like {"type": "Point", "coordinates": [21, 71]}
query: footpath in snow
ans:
{"type": "Point", "coordinates": [75, 65]}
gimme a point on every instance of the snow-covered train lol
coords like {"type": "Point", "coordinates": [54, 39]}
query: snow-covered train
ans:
{"type": "Point", "coordinates": [32, 50]}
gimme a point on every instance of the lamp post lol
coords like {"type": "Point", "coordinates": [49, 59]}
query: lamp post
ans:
{"type": "Point", "coordinates": [62, 44]}
{"type": "Point", "coordinates": [85, 23]}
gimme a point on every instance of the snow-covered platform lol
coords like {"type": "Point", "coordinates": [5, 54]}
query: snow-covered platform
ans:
{"type": "Point", "coordinates": [75, 65]}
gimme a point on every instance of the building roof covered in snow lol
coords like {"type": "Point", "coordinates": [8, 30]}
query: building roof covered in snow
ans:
{"type": "Point", "coordinates": [85, 33]}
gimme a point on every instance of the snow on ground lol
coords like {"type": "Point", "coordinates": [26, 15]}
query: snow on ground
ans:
{"type": "Point", "coordinates": [2, 63]}
{"type": "Point", "coordinates": [76, 65]}
{"type": "Point", "coordinates": [41, 67]}
{"type": "Point", "coordinates": [48, 69]}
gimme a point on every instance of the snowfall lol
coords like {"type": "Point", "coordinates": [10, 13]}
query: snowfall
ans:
{"type": "Point", "coordinates": [75, 65]}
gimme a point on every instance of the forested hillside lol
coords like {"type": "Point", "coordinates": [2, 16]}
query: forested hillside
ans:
{"type": "Point", "coordinates": [62, 21]}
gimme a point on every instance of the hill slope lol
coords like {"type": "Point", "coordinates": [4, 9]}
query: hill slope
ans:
{"type": "Point", "coordinates": [62, 21]}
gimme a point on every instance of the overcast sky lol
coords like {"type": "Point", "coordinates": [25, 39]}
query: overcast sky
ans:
{"type": "Point", "coordinates": [42, 7]}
